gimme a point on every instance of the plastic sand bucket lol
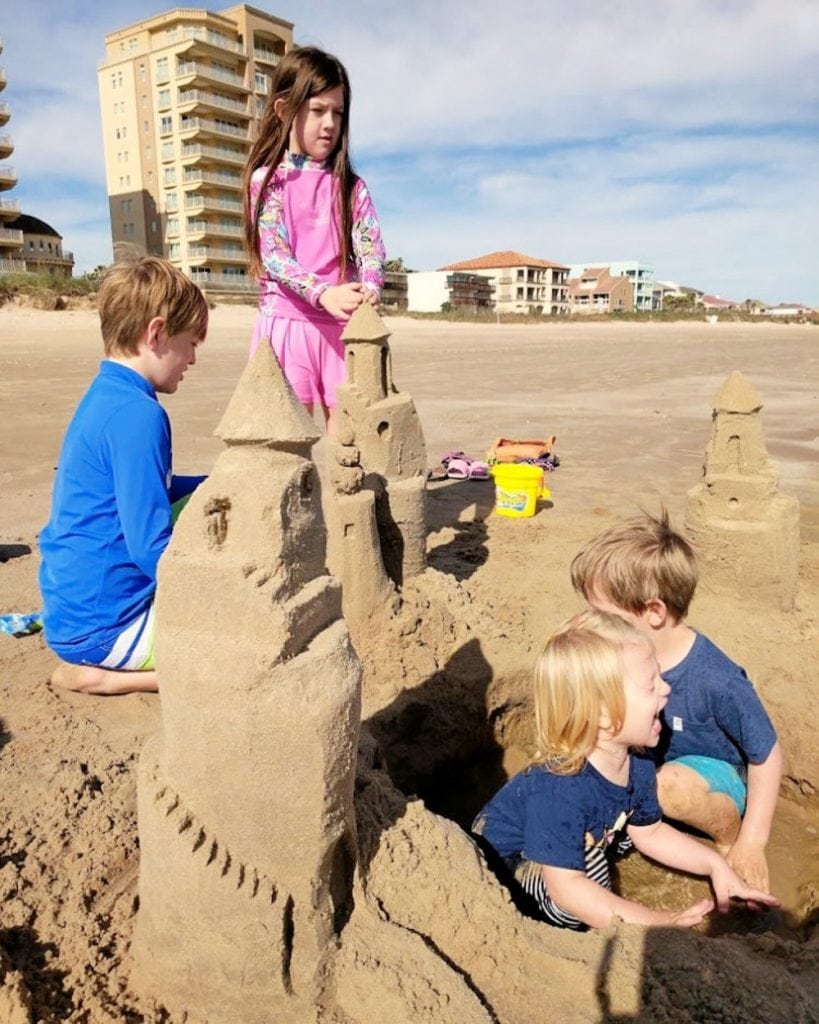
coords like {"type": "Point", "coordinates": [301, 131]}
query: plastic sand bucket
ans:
{"type": "Point", "coordinates": [517, 488]}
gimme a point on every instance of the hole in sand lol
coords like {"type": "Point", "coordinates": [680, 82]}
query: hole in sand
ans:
{"type": "Point", "coordinates": [455, 761]}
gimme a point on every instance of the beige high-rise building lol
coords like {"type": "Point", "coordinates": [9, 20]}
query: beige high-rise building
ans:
{"type": "Point", "coordinates": [11, 239]}
{"type": "Point", "coordinates": [180, 94]}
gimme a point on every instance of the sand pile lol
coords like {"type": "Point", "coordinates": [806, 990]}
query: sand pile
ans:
{"type": "Point", "coordinates": [429, 934]}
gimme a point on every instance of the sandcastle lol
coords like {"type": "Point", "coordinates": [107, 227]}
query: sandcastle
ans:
{"type": "Point", "coordinates": [245, 798]}
{"type": "Point", "coordinates": [744, 529]}
{"type": "Point", "coordinates": [378, 521]}
{"type": "Point", "coordinates": [269, 889]}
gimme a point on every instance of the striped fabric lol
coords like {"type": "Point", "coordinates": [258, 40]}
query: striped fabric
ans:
{"type": "Point", "coordinates": [529, 876]}
{"type": "Point", "coordinates": [133, 649]}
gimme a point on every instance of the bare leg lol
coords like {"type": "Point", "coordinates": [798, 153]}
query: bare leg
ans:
{"type": "Point", "coordinates": [329, 417]}
{"type": "Point", "coordinates": [92, 679]}
{"type": "Point", "coordinates": [685, 796]}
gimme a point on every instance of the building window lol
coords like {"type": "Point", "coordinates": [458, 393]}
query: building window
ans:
{"type": "Point", "coordinates": [165, 125]}
{"type": "Point", "coordinates": [146, 127]}
{"type": "Point", "coordinates": [162, 74]}
{"type": "Point", "coordinates": [164, 97]}
{"type": "Point", "coordinates": [147, 152]}
{"type": "Point", "coordinates": [261, 81]}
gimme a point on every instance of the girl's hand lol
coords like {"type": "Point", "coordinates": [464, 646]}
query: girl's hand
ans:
{"type": "Point", "coordinates": [341, 300]}
{"type": "Point", "coordinates": [691, 916]}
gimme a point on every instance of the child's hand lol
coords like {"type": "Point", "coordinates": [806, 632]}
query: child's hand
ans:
{"type": "Point", "coordinates": [691, 916]}
{"type": "Point", "coordinates": [371, 297]}
{"type": "Point", "coordinates": [727, 884]}
{"type": "Point", "coordinates": [749, 863]}
{"type": "Point", "coordinates": [341, 300]}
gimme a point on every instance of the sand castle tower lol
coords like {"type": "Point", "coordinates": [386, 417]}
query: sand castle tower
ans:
{"type": "Point", "coordinates": [380, 476]}
{"type": "Point", "coordinates": [743, 528]}
{"type": "Point", "coordinates": [245, 798]}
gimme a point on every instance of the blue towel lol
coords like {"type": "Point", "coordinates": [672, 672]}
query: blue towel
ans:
{"type": "Point", "coordinates": [17, 624]}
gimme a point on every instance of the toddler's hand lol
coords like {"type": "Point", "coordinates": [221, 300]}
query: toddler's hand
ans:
{"type": "Point", "coordinates": [341, 300]}
{"type": "Point", "coordinates": [691, 916]}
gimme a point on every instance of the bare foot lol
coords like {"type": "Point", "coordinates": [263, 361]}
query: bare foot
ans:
{"type": "Point", "coordinates": [92, 679]}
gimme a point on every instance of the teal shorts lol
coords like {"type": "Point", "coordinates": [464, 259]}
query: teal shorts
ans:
{"type": "Point", "coordinates": [720, 776]}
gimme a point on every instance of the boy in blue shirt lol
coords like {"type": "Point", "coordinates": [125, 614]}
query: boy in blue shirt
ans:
{"type": "Point", "coordinates": [719, 760]}
{"type": "Point", "coordinates": [111, 515]}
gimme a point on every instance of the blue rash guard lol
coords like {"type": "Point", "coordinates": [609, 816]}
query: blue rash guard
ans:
{"type": "Point", "coordinates": [110, 517]}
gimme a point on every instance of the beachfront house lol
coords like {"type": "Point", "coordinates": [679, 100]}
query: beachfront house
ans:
{"type": "Point", "coordinates": [521, 283]}
{"type": "Point", "coordinates": [641, 275]}
{"type": "Point", "coordinates": [433, 291]}
{"type": "Point", "coordinates": [597, 290]}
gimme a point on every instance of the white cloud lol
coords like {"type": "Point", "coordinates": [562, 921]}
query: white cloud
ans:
{"type": "Point", "coordinates": [682, 133]}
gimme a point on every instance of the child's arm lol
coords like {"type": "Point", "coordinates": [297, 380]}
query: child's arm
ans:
{"type": "Point", "coordinates": [666, 845]}
{"type": "Point", "coordinates": [368, 245]}
{"type": "Point", "coordinates": [747, 855]}
{"type": "Point", "coordinates": [595, 906]}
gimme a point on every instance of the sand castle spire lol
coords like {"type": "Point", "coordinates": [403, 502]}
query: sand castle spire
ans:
{"type": "Point", "coordinates": [245, 798]}
{"type": "Point", "coordinates": [743, 527]}
{"type": "Point", "coordinates": [263, 410]}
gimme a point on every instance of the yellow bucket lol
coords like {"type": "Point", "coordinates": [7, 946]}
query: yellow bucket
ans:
{"type": "Point", "coordinates": [517, 488]}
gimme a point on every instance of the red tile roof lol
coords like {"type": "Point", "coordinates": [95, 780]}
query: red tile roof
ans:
{"type": "Point", "coordinates": [503, 258]}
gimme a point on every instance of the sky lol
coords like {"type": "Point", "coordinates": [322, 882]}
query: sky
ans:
{"type": "Point", "coordinates": [681, 134]}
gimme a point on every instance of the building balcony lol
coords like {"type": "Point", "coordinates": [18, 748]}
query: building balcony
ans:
{"type": "Point", "coordinates": [5, 112]}
{"type": "Point", "coordinates": [205, 36]}
{"type": "Point", "coordinates": [192, 98]}
{"type": "Point", "coordinates": [208, 253]}
{"type": "Point", "coordinates": [8, 178]}
{"type": "Point", "coordinates": [198, 177]}
{"type": "Point", "coordinates": [219, 154]}
{"type": "Point", "coordinates": [207, 278]}
{"type": "Point", "coordinates": [10, 237]}
{"type": "Point", "coordinates": [265, 55]}
{"type": "Point", "coordinates": [6, 146]}
{"type": "Point", "coordinates": [218, 203]}
{"type": "Point", "coordinates": [9, 209]}
{"type": "Point", "coordinates": [194, 71]}
{"type": "Point", "coordinates": [2, 79]}
{"type": "Point", "coordinates": [199, 228]}
{"type": "Point", "coordinates": [12, 266]}
{"type": "Point", "coordinates": [191, 126]}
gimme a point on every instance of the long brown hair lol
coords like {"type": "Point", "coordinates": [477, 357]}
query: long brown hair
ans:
{"type": "Point", "coordinates": [304, 72]}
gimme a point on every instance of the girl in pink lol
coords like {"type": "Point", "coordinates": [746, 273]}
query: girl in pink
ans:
{"type": "Point", "coordinates": [311, 228]}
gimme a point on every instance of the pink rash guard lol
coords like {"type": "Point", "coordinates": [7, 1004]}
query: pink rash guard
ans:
{"type": "Point", "coordinates": [299, 241]}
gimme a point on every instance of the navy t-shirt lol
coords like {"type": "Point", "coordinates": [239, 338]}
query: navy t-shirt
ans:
{"type": "Point", "coordinates": [713, 710]}
{"type": "Point", "coordinates": [553, 819]}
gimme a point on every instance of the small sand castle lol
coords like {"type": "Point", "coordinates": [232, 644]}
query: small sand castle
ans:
{"type": "Point", "coordinates": [245, 798]}
{"type": "Point", "coordinates": [378, 527]}
{"type": "Point", "coordinates": [744, 529]}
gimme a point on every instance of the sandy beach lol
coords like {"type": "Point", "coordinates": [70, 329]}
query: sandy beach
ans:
{"type": "Point", "coordinates": [630, 405]}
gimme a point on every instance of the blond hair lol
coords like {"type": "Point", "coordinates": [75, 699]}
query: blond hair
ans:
{"type": "Point", "coordinates": [640, 560]}
{"type": "Point", "coordinates": [134, 291]}
{"type": "Point", "coordinates": [578, 679]}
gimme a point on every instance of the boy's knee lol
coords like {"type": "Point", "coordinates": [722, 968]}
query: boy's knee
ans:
{"type": "Point", "coordinates": [678, 788]}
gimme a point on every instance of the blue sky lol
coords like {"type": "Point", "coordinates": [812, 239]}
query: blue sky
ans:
{"type": "Point", "coordinates": [682, 134]}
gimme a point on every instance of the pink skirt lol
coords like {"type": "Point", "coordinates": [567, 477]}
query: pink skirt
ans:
{"type": "Point", "coordinates": [311, 355]}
